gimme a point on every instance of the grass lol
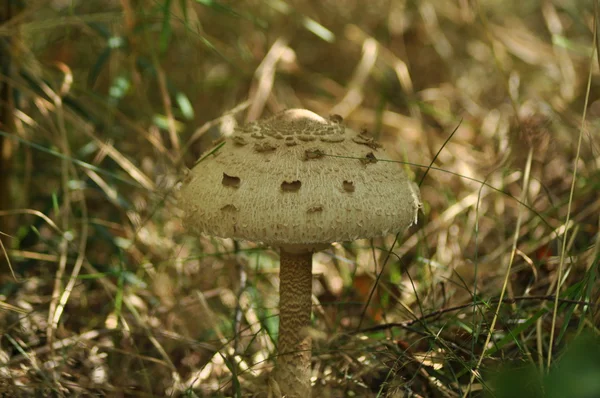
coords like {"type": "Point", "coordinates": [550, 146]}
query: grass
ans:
{"type": "Point", "coordinates": [492, 107]}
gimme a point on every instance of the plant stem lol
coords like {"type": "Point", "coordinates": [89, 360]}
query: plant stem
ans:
{"type": "Point", "coordinates": [294, 347]}
{"type": "Point", "coordinates": [7, 11]}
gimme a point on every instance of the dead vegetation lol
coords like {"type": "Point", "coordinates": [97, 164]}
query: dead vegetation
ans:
{"type": "Point", "coordinates": [492, 105]}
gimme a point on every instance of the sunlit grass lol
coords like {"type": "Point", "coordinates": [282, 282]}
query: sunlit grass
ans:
{"type": "Point", "coordinates": [491, 106]}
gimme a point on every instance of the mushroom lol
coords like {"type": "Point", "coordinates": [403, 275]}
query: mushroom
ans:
{"type": "Point", "coordinates": [297, 182]}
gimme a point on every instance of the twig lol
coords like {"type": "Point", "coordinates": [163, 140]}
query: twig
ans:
{"type": "Point", "coordinates": [442, 311]}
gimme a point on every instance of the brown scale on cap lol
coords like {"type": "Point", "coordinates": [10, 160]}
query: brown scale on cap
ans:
{"type": "Point", "coordinates": [369, 159]}
{"type": "Point", "coordinates": [264, 147]}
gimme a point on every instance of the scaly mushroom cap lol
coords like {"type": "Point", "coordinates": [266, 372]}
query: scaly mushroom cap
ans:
{"type": "Point", "coordinates": [298, 181]}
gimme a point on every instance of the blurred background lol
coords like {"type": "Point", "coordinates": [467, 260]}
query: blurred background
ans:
{"type": "Point", "coordinates": [492, 106]}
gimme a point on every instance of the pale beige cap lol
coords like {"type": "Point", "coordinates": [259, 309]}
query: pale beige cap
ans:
{"type": "Point", "coordinates": [298, 181]}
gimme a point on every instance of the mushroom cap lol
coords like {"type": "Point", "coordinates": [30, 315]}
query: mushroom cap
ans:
{"type": "Point", "coordinates": [299, 182]}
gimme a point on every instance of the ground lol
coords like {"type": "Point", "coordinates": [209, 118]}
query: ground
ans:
{"type": "Point", "coordinates": [491, 106]}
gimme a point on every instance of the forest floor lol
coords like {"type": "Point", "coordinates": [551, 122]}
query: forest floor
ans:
{"type": "Point", "coordinates": [493, 108]}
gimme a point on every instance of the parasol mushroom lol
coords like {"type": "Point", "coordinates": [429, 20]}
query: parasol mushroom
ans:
{"type": "Point", "coordinates": [297, 182]}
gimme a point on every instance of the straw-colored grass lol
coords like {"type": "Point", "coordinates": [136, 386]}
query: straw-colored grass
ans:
{"type": "Point", "coordinates": [492, 106]}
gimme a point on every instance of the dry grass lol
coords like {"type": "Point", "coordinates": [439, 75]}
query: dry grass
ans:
{"type": "Point", "coordinates": [104, 103]}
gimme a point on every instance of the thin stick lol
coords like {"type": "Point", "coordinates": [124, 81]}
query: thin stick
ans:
{"type": "Point", "coordinates": [442, 311]}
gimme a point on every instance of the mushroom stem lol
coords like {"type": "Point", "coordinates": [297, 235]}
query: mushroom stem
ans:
{"type": "Point", "coordinates": [294, 346]}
